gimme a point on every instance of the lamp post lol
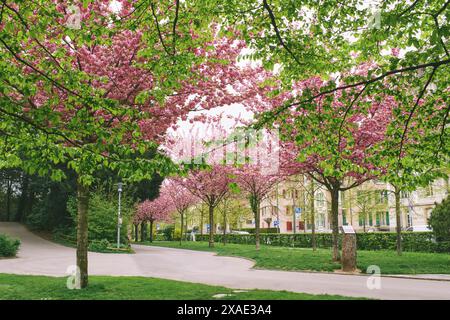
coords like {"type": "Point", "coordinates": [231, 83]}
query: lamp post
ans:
{"type": "Point", "coordinates": [119, 217]}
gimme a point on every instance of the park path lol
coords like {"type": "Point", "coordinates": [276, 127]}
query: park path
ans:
{"type": "Point", "coordinates": [38, 256]}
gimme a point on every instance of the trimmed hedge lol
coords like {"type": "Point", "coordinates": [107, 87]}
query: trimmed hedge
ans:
{"type": "Point", "coordinates": [412, 241]}
{"type": "Point", "coordinates": [261, 230]}
{"type": "Point", "coordinates": [8, 246]}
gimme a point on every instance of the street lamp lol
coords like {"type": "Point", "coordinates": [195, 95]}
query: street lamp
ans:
{"type": "Point", "coordinates": [119, 217]}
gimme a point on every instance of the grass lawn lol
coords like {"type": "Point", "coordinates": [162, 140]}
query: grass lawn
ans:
{"type": "Point", "coordinates": [137, 288]}
{"type": "Point", "coordinates": [283, 258]}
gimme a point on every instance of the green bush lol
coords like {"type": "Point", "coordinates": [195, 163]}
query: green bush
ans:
{"type": "Point", "coordinates": [99, 245]}
{"type": "Point", "coordinates": [168, 232]}
{"type": "Point", "coordinates": [8, 246]}
{"type": "Point", "coordinates": [412, 241]}
{"type": "Point", "coordinates": [440, 220]}
{"type": "Point", "coordinates": [102, 217]}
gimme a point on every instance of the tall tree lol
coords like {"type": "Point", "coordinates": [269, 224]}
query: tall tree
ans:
{"type": "Point", "coordinates": [158, 209]}
{"type": "Point", "coordinates": [257, 185]}
{"type": "Point", "coordinates": [211, 186]}
{"type": "Point", "coordinates": [79, 87]}
{"type": "Point", "coordinates": [180, 198]}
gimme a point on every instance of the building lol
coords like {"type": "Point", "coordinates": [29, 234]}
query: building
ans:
{"type": "Point", "coordinates": [369, 207]}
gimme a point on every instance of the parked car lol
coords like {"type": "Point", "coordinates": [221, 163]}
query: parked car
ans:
{"type": "Point", "coordinates": [421, 228]}
{"type": "Point", "coordinates": [239, 232]}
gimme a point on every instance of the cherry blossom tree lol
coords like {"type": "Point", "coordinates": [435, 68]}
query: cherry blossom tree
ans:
{"type": "Point", "coordinates": [180, 199]}
{"type": "Point", "coordinates": [91, 95]}
{"type": "Point", "coordinates": [257, 185]}
{"type": "Point", "coordinates": [211, 186]}
{"type": "Point", "coordinates": [150, 211]}
{"type": "Point", "coordinates": [336, 139]}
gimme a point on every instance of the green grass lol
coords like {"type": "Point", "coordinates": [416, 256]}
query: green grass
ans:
{"type": "Point", "coordinates": [284, 258]}
{"type": "Point", "coordinates": [138, 288]}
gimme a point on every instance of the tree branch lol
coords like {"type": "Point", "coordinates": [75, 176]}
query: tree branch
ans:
{"type": "Point", "coordinates": [422, 92]}
{"type": "Point", "coordinates": [277, 32]}
{"type": "Point", "coordinates": [360, 83]}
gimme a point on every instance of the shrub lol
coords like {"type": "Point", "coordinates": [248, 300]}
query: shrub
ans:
{"type": "Point", "coordinates": [440, 220]}
{"type": "Point", "coordinates": [168, 232]}
{"type": "Point", "coordinates": [412, 241]}
{"type": "Point", "coordinates": [99, 245]}
{"type": "Point", "coordinates": [8, 246]}
{"type": "Point", "coordinates": [102, 218]}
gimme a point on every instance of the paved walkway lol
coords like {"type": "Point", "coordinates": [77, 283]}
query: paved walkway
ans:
{"type": "Point", "coordinates": [41, 257]}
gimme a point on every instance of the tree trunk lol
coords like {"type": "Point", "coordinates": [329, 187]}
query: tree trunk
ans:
{"type": "Point", "coordinates": [201, 221]}
{"type": "Point", "coordinates": [181, 227]}
{"type": "Point", "coordinates": [313, 216]}
{"type": "Point", "coordinates": [254, 205]}
{"type": "Point", "coordinates": [398, 220]}
{"type": "Point", "coordinates": [364, 220]}
{"type": "Point", "coordinates": [143, 231]}
{"type": "Point", "coordinates": [136, 232]}
{"type": "Point", "coordinates": [335, 222]}
{"type": "Point", "coordinates": [23, 198]}
{"type": "Point", "coordinates": [224, 226]}
{"type": "Point", "coordinates": [211, 226]}
{"type": "Point", "coordinates": [224, 235]}
{"type": "Point", "coordinates": [8, 199]}
{"type": "Point", "coordinates": [257, 223]}
{"type": "Point", "coordinates": [82, 233]}
{"type": "Point", "coordinates": [151, 231]}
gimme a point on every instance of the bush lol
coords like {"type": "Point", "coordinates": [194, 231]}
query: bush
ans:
{"type": "Point", "coordinates": [99, 245]}
{"type": "Point", "coordinates": [440, 220]}
{"type": "Point", "coordinates": [102, 218]}
{"type": "Point", "coordinates": [8, 246]}
{"type": "Point", "coordinates": [168, 232]}
{"type": "Point", "coordinates": [412, 241]}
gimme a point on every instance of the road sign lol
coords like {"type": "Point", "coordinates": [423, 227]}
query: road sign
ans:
{"type": "Point", "coordinates": [298, 212]}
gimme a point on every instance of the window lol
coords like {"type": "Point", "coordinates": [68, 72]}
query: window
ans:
{"type": "Point", "coordinates": [387, 218]}
{"type": "Point", "coordinates": [404, 194]}
{"type": "Point", "coordinates": [283, 193]}
{"type": "Point", "coordinates": [361, 220]}
{"type": "Point", "coordinates": [378, 219]}
{"type": "Point", "coordinates": [383, 196]}
{"type": "Point", "coordinates": [370, 220]}
{"type": "Point", "coordinates": [344, 218]}
{"type": "Point", "coordinates": [320, 199]}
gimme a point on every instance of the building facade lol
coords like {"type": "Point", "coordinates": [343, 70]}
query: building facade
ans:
{"type": "Point", "coordinates": [295, 204]}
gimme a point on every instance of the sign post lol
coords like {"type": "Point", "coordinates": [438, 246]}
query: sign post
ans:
{"type": "Point", "coordinates": [348, 249]}
{"type": "Point", "coordinates": [297, 216]}
{"type": "Point", "coordinates": [119, 216]}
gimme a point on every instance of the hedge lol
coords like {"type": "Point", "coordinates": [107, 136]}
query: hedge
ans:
{"type": "Point", "coordinates": [412, 241]}
{"type": "Point", "coordinates": [261, 230]}
{"type": "Point", "coordinates": [8, 246]}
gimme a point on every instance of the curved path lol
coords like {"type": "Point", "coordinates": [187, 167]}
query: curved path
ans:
{"type": "Point", "coordinates": [38, 256]}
